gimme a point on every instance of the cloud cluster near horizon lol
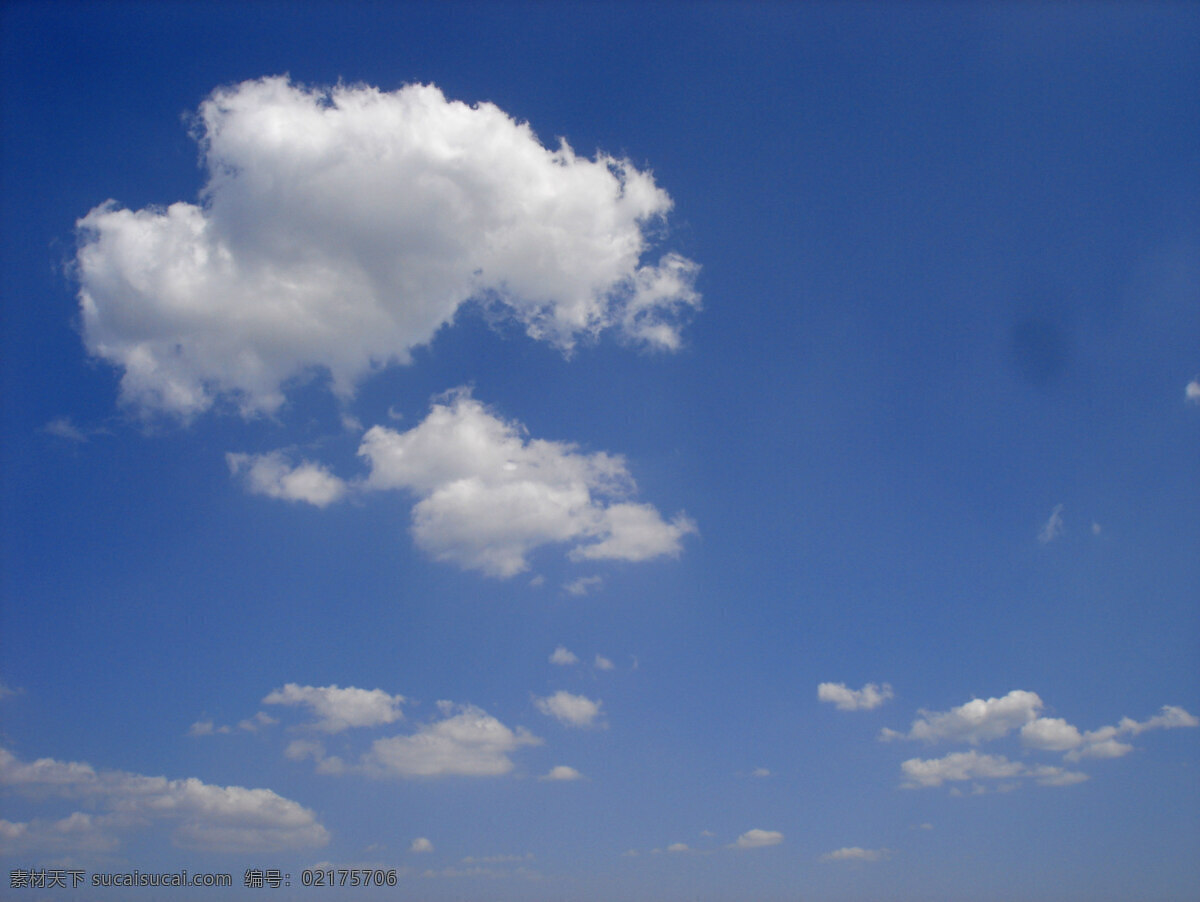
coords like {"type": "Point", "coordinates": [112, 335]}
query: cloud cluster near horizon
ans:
{"type": "Point", "coordinates": [1020, 712]}
{"type": "Point", "coordinates": [220, 818]}
{"type": "Point", "coordinates": [341, 228]}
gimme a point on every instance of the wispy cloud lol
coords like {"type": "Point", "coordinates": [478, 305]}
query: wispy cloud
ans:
{"type": "Point", "coordinates": [1053, 528]}
{"type": "Point", "coordinates": [584, 585]}
{"type": "Point", "coordinates": [857, 853]}
{"type": "Point", "coordinates": [563, 773]}
{"type": "Point", "coordinates": [62, 427]}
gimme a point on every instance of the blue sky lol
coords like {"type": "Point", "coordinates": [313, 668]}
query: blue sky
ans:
{"type": "Point", "coordinates": [598, 451]}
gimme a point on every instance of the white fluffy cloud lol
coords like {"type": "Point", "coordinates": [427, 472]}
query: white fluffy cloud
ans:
{"type": "Point", "coordinates": [466, 742]}
{"type": "Point", "coordinates": [973, 765]}
{"type": "Point", "coordinates": [603, 663]}
{"type": "Point", "coordinates": [562, 772]}
{"type": "Point", "coordinates": [1192, 392]}
{"type": "Point", "coordinates": [572, 710]}
{"type": "Point", "coordinates": [1053, 528]}
{"type": "Point", "coordinates": [864, 699]}
{"type": "Point", "coordinates": [421, 844]}
{"type": "Point", "coordinates": [340, 228]}
{"type": "Point", "coordinates": [977, 721]}
{"type": "Point", "coordinates": [563, 657]}
{"type": "Point", "coordinates": [1055, 734]}
{"type": "Point", "coordinates": [339, 709]}
{"type": "Point", "coordinates": [489, 496]}
{"type": "Point", "coordinates": [856, 853]}
{"type": "Point", "coordinates": [757, 839]}
{"type": "Point", "coordinates": [1050, 734]}
{"type": "Point", "coordinates": [982, 720]}
{"type": "Point", "coordinates": [208, 817]}
{"type": "Point", "coordinates": [274, 476]}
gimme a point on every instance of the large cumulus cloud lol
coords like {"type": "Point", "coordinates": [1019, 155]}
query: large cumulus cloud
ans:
{"type": "Point", "coordinates": [340, 228]}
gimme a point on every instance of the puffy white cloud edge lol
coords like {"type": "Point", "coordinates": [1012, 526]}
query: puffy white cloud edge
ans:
{"type": "Point", "coordinates": [488, 495]}
{"type": "Point", "coordinates": [570, 710]}
{"type": "Point", "coordinates": [467, 741]}
{"type": "Point", "coordinates": [341, 227]}
{"type": "Point", "coordinates": [340, 709]}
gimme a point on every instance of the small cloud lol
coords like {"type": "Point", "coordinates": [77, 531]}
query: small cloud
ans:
{"type": "Point", "coordinates": [760, 772]}
{"type": "Point", "coordinates": [538, 580]}
{"type": "Point", "coordinates": [274, 475]}
{"type": "Point", "coordinates": [584, 585]}
{"type": "Point", "coordinates": [206, 728]}
{"type": "Point", "coordinates": [758, 839]}
{"type": "Point", "coordinates": [351, 423]}
{"type": "Point", "coordinates": [678, 847]}
{"type": "Point", "coordinates": [1192, 392]}
{"type": "Point", "coordinates": [855, 853]}
{"type": "Point", "coordinates": [562, 773]}
{"type": "Point", "coordinates": [864, 699]}
{"type": "Point", "coordinates": [466, 742]}
{"type": "Point", "coordinates": [630, 853]}
{"type": "Point", "coordinates": [923, 827]}
{"type": "Point", "coordinates": [1095, 528]}
{"type": "Point", "coordinates": [1053, 527]}
{"type": "Point", "coordinates": [62, 427]}
{"type": "Point", "coordinates": [421, 844]}
{"type": "Point", "coordinates": [603, 663]}
{"type": "Point", "coordinates": [568, 709]}
{"type": "Point", "coordinates": [563, 657]}
{"type": "Point", "coordinates": [257, 722]}
{"type": "Point", "coordinates": [300, 749]}
{"type": "Point", "coordinates": [339, 709]}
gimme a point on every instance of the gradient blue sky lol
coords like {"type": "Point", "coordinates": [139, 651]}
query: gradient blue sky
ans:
{"type": "Point", "coordinates": [911, 414]}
